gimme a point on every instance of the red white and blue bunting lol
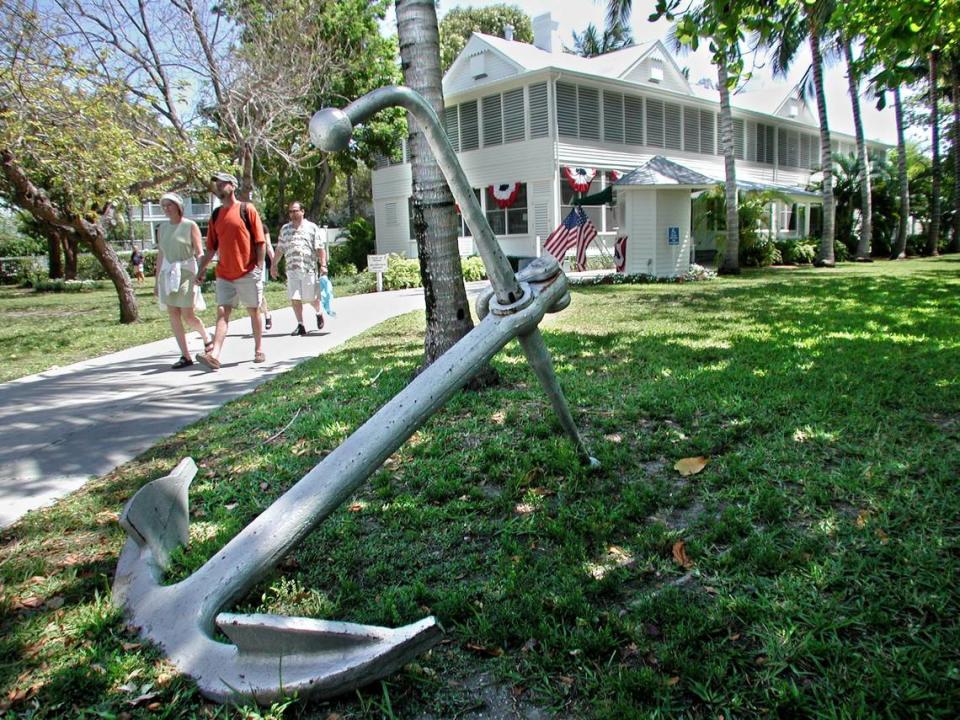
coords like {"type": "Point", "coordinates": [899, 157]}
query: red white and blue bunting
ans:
{"type": "Point", "coordinates": [505, 194]}
{"type": "Point", "coordinates": [579, 177]}
{"type": "Point", "coordinates": [615, 175]}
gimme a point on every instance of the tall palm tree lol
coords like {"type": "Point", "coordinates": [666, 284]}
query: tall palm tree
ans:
{"type": "Point", "coordinates": [933, 237]}
{"type": "Point", "coordinates": [591, 43]}
{"type": "Point", "coordinates": [434, 217]}
{"type": "Point", "coordinates": [899, 251]}
{"type": "Point", "coordinates": [801, 22]}
{"type": "Point", "coordinates": [955, 93]}
{"type": "Point", "coordinates": [866, 209]}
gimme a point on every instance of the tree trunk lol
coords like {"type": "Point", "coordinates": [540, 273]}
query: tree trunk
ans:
{"type": "Point", "coordinates": [900, 249]}
{"type": "Point", "coordinates": [322, 180]}
{"type": "Point", "coordinates": [54, 255]}
{"type": "Point", "coordinates": [863, 162]}
{"type": "Point", "coordinates": [730, 264]}
{"type": "Point", "coordinates": [35, 201]}
{"type": "Point", "coordinates": [435, 220]}
{"type": "Point", "coordinates": [245, 191]}
{"type": "Point", "coordinates": [825, 258]}
{"type": "Point", "coordinates": [70, 251]}
{"type": "Point", "coordinates": [281, 196]}
{"type": "Point", "coordinates": [955, 82]}
{"type": "Point", "coordinates": [933, 238]}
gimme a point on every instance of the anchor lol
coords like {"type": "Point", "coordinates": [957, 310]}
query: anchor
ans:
{"type": "Point", "coordinates": [269, 657]}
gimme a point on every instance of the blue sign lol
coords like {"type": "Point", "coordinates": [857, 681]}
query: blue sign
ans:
{"type": "Point", "coordinates": [673, 235]}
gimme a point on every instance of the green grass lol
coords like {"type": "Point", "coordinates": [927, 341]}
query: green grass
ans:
{"type": "Point", "coordinates": [823, 532]}
{"type": "Point", "coordinates": [39, 331]}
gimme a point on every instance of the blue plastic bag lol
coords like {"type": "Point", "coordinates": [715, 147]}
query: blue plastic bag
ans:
{"type": "Point", "coordinates": [326, 295]}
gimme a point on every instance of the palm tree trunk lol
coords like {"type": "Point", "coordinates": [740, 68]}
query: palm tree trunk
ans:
{"type": "Point", "coordinates": [866, 209]}
{"type": "Point", "coordinates": [826, 257]}
{"type": "Point", "coordinates": [955, 82]}
{"type": "Point", "coordinates": [933, 238]}
{"type": "Point", "coordinates": [730, 265]}
{"type": "Point", "coordinates": [434, 220]}
{"type": "Point", "coordinates": [900, 249]}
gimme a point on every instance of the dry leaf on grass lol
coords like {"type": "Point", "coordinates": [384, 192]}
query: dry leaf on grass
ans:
{"type": "Point", "coordinates": [483, 650]}
{"type": "Point", "coordinates": [863, 517]}
{"type": "Point", "coordinates": [691, 465]}
{"type": "Point", "coordinates": [680, 554]}
{"type": "Point", "coordinates": [673, 681]}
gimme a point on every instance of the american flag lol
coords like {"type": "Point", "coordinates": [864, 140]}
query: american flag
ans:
{"type": "Point", "coordinates": [575, 231]}
{"type": "Point", "coordinates": [620, 254]}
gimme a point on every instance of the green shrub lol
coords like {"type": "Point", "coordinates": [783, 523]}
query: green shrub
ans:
{"type": "Point", "coordinates": [760, 252]}
{"type": "Point", "coordinates": [841, 253]}
{"type": "Point", "coordinates": [22, 270]}
{"type": "Point", "coordinates": [797, 251]}
{"type": "Point", "coordinates": [360, 242]}
{"type": "Point", "coordinates": [401, 273]}
{"type": "Point", "coordinates": [89, 267]}
{"type": "Point", "coordinates": [70, 286]}
{"type": "Point", "coordinates": [473, 268]}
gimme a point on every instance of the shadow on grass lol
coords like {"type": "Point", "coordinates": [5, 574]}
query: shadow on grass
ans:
{"type": "Point", "coordinates": [821, 537]}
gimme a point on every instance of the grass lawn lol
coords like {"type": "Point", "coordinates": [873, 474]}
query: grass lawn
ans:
{"type": "Point", "coordinates": [819, 564]}
{"type": "Point", "coordinates": [39, 331]}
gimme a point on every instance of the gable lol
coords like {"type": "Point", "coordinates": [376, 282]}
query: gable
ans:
{"type": "Point", "coordinates": [656, 68]}
{"type": "Point", "coordinates": [794, 107]}
{"type": "Point", "coordinates": [478, 64]}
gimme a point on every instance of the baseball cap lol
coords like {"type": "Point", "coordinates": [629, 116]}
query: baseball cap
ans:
{"type": "Point", "coordinates": [225, 177]}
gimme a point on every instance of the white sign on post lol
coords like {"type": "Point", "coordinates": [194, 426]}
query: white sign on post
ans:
{"type": "Point", "coordinates": [377, 264]}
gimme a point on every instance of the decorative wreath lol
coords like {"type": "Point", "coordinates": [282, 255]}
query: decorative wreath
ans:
{"type": "Point", "coordinates": [505, 193]}
{"type": "Point", "coordinates": [579, 177]}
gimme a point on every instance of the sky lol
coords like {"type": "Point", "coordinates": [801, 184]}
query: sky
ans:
{"type": "Point", "coordinates": [575, 15]}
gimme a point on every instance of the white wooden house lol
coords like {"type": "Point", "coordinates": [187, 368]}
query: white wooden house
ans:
{"type": "Point", "coordinates": [521, 114]}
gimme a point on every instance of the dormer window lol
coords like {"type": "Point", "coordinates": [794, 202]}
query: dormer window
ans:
{"type": "Point", "coordinates": [793, 109]}
{"type": "Point", "coordinates": [478, 66]}
{"type": "Point", "coordinates": [656, 70]}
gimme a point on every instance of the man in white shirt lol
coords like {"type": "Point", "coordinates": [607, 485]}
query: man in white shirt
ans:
{"type": "Point", "coordinates": [302, 244]}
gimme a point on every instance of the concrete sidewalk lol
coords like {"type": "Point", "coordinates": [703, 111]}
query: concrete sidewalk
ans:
{"type": "Point", "coordinates": [62, 427]}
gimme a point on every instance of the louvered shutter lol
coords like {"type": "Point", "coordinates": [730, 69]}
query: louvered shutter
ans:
{"type": "Point", "coordinates": [539, 111]}
{"type": "Point", "coordinates": [633, 120]}
{"type": "Point", "coordinates": [567, 110]}
{"type": "Point", "coordinates": [708, 142]}
{"type": "Point", "coordinates": [513, 116]}
{"type": "Point", "coordinates": [469, 129]}
{"type": "Point", "coordinates": [815, 152]}
{"type": "Point", "coordinates": [655, 123]}
{"type": "Point", "coordinates": [793, 148]}
{"type": "Point", "coordinates": [691, 129]}
{"type": "Point", "coordinates": [738, 138]}
{"type": "Point", "coordinates": [751, 141]}
{"type": "Point", "coordinates": [451, 124]}
{"type": "Point", "coordinates": [612, 117]}
{"type": "Point", "coordinates": [760, 140]}
{"type": "Point", "coordinates": [804, 160]}
{"type": "Point", "coordinates": [492, 120]}
{"type": "Point", "coordinates": [589, 106]}
{"type": "Point", "coordinates": [672, 121]}
{"type": "Point", "coordinates": [781, 147]}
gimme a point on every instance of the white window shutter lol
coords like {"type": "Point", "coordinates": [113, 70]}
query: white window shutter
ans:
{"type": "Point", "coordinates": [469, 128]}
{"type": "Point", "coordinates": [492, 120]}
{"type": "Point", "coordinates": [567, 110]}
{"type": "Point", "coordinates": [691, 129]}
{"type": "Point", "coordinates": [451, 124]}
{"type": "Point", "coordinates": [672, 132]}
{"type": "Point", "coordinates": [708, 135]}
{"type": "Point", "coordinates": [633, 120]}
{"type": "Point", "coordinates": [738, 138]}
{"type": "Point", "coordinates": [513, 116]}
{"type": "Point", "coordinates": [654, 123]}
{"type": "Point", "coordinates": [589, 111]}
{"type": "Point", "coordinates": [539, 111]}
{"type": "Point", "coordinates": [612, 117]}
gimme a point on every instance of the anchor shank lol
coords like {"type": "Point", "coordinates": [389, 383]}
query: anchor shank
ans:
{"type": "Point", "coordinates": [252, 553]}
{"type": "Point", "coordinates": [498, 267]}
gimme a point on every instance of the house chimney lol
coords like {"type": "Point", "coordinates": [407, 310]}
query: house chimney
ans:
{"type": "Point", "coordinates": [546, 35]}
{"type": "Point", "coordinates": [508, 32]}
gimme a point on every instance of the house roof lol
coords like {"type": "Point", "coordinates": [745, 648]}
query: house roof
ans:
{"type": "Point", "coordinates": [530, 57]}
{"type": "Point", "coordinates": [659, 171]}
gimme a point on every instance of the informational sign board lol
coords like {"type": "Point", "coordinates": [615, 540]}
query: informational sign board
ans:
{"type": "Point", "coordinates": [377, 264]}
{"type": "Point", "coordinates": [673, 235]}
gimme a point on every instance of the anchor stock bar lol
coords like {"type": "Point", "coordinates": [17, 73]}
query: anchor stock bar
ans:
{"type": "Point", "coordinates": [331, 129]}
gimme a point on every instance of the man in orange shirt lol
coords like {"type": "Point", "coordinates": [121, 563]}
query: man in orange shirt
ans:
{"type": "Point", "coordinates": [240, 245]}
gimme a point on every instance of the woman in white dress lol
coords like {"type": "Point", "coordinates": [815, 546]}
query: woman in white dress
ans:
{"type": "Point", "coordinates": [179, 245]}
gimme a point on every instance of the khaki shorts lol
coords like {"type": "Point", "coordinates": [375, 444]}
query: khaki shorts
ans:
{"type": "Point", "coordinates": [246, 291]}
{"type": "Point", "coordinates": [302, 286]}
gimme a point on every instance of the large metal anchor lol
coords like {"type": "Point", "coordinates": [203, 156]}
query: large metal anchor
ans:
{"type": "Point", "coordinates": [270, 656]}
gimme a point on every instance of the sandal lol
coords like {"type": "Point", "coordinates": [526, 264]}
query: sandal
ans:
{"type": "Point", "coordinates": [208, 360]}
{"type": "Point", "coordinates": [208, 347]}
{"type": "Point", "coordinates": [183, 362]}
{"type": "Point", "coordinates": [259, 357]}
{"type": "Point", "coordinates": [268, 323]}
